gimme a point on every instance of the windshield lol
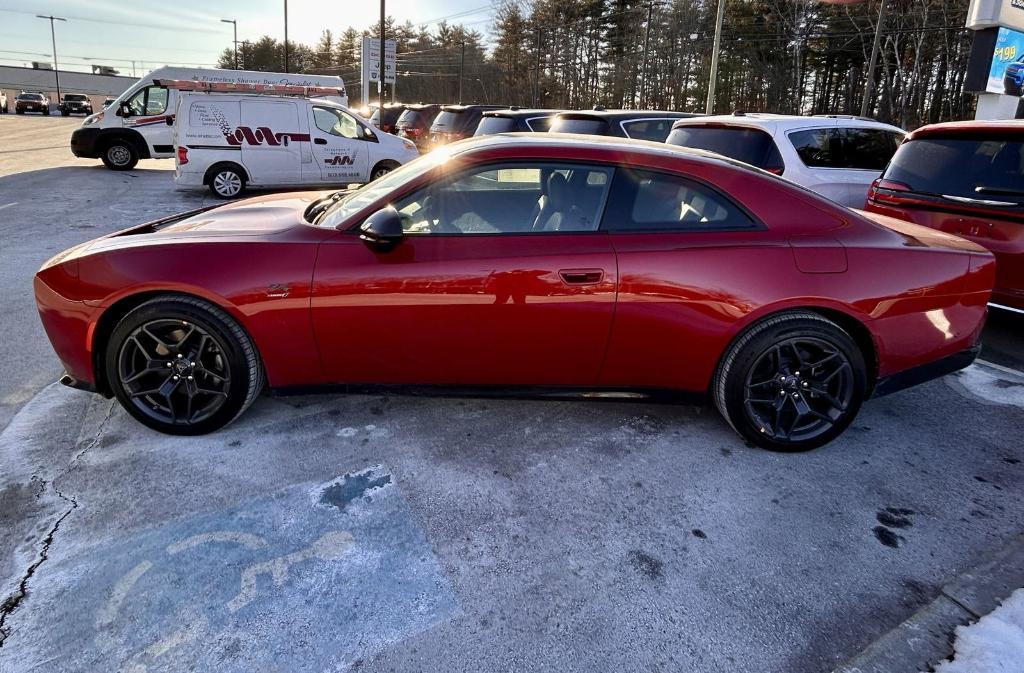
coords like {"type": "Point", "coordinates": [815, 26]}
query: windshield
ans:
{"type": "Point", "coordinates": [31, 96]}
{"type": "Point", "coordinates": [74, 97]}
{"type": "Point", "coordinates": [971, 168]}
{"type": "Point", "coordinates": [378, 189]}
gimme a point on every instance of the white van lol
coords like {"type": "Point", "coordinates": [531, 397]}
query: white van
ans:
{"type": "Point", "coordinates": [230, 141]}
{"type": "Point", "coordinates": [138, 124]}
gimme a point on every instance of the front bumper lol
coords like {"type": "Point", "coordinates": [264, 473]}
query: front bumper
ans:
{"type": "Point", "coordinates": [926, 372]}
{"type": "Point", "coordinates": [69, 325]}
{"type": "Point", "coordinates": [83, 143]}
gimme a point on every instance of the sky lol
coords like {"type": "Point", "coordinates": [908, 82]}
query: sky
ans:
{"type": "Point", "coordinates": [188, 32]}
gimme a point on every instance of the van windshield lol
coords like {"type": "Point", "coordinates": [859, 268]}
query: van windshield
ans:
{"type": "Point", "coordinates": [974, 168]}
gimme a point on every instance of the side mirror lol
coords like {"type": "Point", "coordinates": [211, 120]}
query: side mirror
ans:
{"type": "Point", "coordinates": [382, 230]}
{"type": "Point", "coordinates": [124, 110]}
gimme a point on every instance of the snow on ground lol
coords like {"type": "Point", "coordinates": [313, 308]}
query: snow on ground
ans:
{"type": "Point", "coordinates": [990, 383]}
{"type": "Point", "coordinates": [994, 644]}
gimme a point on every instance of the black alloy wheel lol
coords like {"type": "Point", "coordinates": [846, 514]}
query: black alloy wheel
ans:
{"type": "Point", "coordinates": [182, 366]}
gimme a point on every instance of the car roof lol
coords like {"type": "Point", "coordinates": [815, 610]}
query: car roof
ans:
{"type": "Point", "coordinates": [615, 115]}
{"type": "Point", "coordinates": [778, 122]}
{"type": "Point", "coordinates": [613, 147]}
{"type": "Point", "coordinates": [515, 113]}
{"type": "Point", "coordinates": [459, 107]}
{"type": "Point", "coordinates": [421, 106]}
{"type": "Point", "coordinates": [975, 127]}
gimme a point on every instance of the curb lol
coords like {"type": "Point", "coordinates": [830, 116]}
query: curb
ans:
{"type": "Point", "coordinates": [926, 638]}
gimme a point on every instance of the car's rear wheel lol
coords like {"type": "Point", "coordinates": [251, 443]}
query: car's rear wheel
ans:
{"type": "Point", "coordinates": [791, 383]}
{"type": "Point", "coordinates": [383, 168]}
{"type": "Point", "coordinates": [182, 366]}
{"type": "Point", "coordinates": [226, 182]}
{"type": "Point", "coordinates": [120, 155]}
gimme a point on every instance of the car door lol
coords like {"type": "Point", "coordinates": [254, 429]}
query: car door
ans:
{"type": "Point", "coordinates": [340, 148]}
{"type": "Point", "coordinates": [690, 262]}
{"type": "Point", "coordinates": [502, 278]}
{"type": "Point", "coordinates": [271, 136]}
{"type": "Point", "coordinates": [147, 112]}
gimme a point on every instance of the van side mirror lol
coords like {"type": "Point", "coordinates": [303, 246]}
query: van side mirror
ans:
{"type": "Point", "coordinates": [123, 110]}
{"type": "Point", "coordinates": [382, 231]}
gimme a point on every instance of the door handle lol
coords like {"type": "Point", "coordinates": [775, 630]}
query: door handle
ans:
{"type": "Point", "coordinates": [319, 141]}
{"type": "Point", "coordinates": [581, 276]}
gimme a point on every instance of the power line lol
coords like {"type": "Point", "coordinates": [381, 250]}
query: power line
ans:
{"type": "Point", "coordinates": [165, 26]}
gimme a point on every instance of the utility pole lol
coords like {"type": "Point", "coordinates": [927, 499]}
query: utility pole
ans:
{"type": "Point", "coordinates": [234, 23]}
{"type": "Point", "coordinates": [381, 78]}
{"type": "Point", "coordinates": [286, 35]}
{"type": "Point", "coordinates": [53, 39]}
{"type": "Point", "coordinates": [647, 47]}
{"type": "Point", "coordinates": [462, 67]}
{"type": "Point", "coordinates": [869, 86]}
{"type": "Point", "coordinates": [536, 83]}
{"type": "Point", "coordinates": [710, 107]}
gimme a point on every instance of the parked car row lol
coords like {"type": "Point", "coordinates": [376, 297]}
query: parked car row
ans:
{"type": "Point", "coordinates": [35, 101]}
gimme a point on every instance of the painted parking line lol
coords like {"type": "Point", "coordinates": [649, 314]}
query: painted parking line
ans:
{"type": "Point", "coordinates": [326, 573]}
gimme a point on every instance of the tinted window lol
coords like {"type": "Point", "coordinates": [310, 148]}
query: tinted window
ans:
{"type": "Point", "coordinates": [748, 145]}
{"type": "Point", "coordinates": [412, 118]}
{"type": "Point", "coordinates": [648, 201]}
{"type": "Point", "coordinates": [30, 96]}
{"type": "Point", "coordinates": [336, 123]}
{"type": "Point", "coordinates": [540, 124]}
{"type": "Point", "coordinates": [869, 148]}
{"type": "Point", "coordinates": [518, 198]}
{"type": "Point", "coordinates": [449, 120]}
{"type": "Point", "coordinates": [978, 169]}
{"type": "Point", "coordinates": [649, 129]}
{"type": "Point", "coordinates": [492, 125]}
{"type": "Point", "coordinates": [75, 97]}
{"type": "Point", "coordinates": [819, 148]}
{"type": "Point", "coordinates": [588, 126]}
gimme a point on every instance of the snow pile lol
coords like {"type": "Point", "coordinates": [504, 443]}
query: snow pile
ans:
{"type": "Point", "coordinates": [994, 644]}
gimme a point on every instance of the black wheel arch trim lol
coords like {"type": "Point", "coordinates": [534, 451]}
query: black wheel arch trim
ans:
{"type": "Point", "coordinates": [926, 372]}
{"type": "Point", "coordinates": [107, 136]}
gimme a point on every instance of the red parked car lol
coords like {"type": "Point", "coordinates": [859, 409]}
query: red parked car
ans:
{"type": "Point", "coordinates": [965, 178]}
{"type": "Point", "coordinates": [565, 263]}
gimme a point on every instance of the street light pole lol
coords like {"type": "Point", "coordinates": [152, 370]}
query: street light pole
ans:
{"type": "Point", "coordinates": [710, 107]}
{"type": "Point", "coordinates": [234, 24]}
{"type": "Point", "coordinates": [869, 86]}
{"type": "Point", "coordinates": [53, 39]}
{"type": "Point", "coordinates": [286, 35]}
{"type": "Point", "coordinates": [462, 67]}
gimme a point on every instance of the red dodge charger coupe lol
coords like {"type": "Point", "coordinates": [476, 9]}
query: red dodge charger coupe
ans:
{"type": "Point", "coordinates": [565, 264]}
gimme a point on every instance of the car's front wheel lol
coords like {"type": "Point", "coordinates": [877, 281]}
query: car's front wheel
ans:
{"type": "Point", "coordinates": [120, 155]}
{"type": "Point", "coordinates": [791, 383]}
{"type": "Point", "coordinates": [383, 168]}
{"type": "Point", "coordinates": [182, 366]}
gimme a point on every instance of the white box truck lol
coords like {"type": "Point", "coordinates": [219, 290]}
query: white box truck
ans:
{"type": "Point", "coordinates": [275, 136]}
{"type": "Point", "coordinates": [138, 125]}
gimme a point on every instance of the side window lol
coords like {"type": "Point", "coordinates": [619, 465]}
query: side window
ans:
{"type": "Point", "coordinates": [818, 148]}
{"type": "Point", "coordinates": [149, 101]}
{"type": "Point", "coordinates": [649, 201]}
{"type": "Point", "coordinates": [518, 198]}
{"type": "Point", "coordinates": [869, 149]}
{"type": "Point", "coordinates": [649, 129]}
{"type": "Point", "coordinates": [336, 123]}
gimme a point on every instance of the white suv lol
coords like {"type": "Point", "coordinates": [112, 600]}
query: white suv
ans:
{"type": "Point", "coordinates": [834, 155]}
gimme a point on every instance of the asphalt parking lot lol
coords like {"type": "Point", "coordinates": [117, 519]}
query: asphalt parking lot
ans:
{"type": "Point", "coordinates": [379, 533]}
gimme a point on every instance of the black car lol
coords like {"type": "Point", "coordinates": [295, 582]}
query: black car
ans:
{"type": "Point", "coordinates": [515, 120]}
{"type": "Point", "coordinates": [75, 103]}
{"type": "Point", "coordinates": [415, 122]}
{"type": "Point", "coordinates": [387, 118]}
{"type": "Point", "coordinates": [108, 101]}
{"type": "Point", "coordinates": [31, 102]}
{"type": "Point", "coordinates": [456, 122]}
{"type": "Point", "coordinates": [652, 125]}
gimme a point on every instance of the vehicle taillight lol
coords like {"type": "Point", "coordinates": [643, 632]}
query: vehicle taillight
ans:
{"type": "Point", "coordinates": [182, 155]}
{"type": "Point", "coordinates": [775, 170]}
{"type": "Point", "coordinates": [414, 132]}
{"type": "Point", "coordinates": [891, 185]}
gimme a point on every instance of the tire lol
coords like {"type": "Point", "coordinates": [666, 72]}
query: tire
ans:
{"type": "Point", "coordinates": [18, 112]}
{"type": "Point", "coordinates": [182, 366]}
{"type": "Point", "coordinates": [225, 181]}
{"type": "Point", "coordinates": [761, 391]}
{"type": "Point", "coordinates": [64, 113]}
{"type": "Point", "coordinates": [120, 155]}
{"type": "Point", "coordinates": [1012, 89]}
{"type": "Point", "coordinates": [383, 168]}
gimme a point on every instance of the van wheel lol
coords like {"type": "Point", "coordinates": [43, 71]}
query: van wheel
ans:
{"type": "Point", "coordinates": [120, 156]}
{"type": "Point", "coordinates": [791, 383]}
{"type": "Point", "coordinates": [382, 168]}
{"type": "Point", "coordinates": [226, 182]}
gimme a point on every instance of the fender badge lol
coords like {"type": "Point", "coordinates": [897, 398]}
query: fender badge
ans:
{"type": "Point", "coordinates": [277, 291]}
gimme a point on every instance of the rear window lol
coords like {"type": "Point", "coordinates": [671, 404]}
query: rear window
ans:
{"type": "Point", "coordinates": [391, 115]}
{"type": "Point", "coordinates": [452, 120]}
{"type": "Point", "coordinates": [649, 129]}
{"type": "Point", "coordinates": [412, 118]}
{"type": "Point", "coordinates": [972, 168]}
{"type": "Point", "coordinates": [751, 146]}
{"type": "Point", "coordinates": [585, 125]}
{"type": "Point", "coordinates": [492, 125]}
